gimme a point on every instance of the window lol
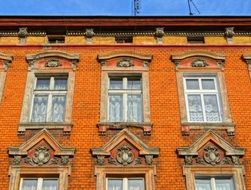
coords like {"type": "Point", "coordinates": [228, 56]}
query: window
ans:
{"type": "Point", "coordinates": [125, 184]}
{"type": "Point", "coordinates": [195, 40]}
{"type": "Point", "coordinates": [39, 184]}
{"type": "Point", "coordinates": [214, 183]}
{"type": "Point", "coordinates": [49, 99]}
{"type": "Point", "coordinates": [202, 99]}
{"type": "Point", "coordinates": [125, 99]}
{"type": "Point", "coordinates": [49, 90]}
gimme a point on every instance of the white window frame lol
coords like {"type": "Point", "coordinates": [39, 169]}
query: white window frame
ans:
{"type": "Point", "coordinates": [125, 181]}
{"type": "Point", "coordinates": [125, 92]}
{"type": "Point", "coordinates": [212, 180]}
{"type": "Point", "coordinates": [202, 92]}
{"type": "Point", "coordinates": [49, 93]}
{"type": "Point", "coordinates": [39, 182]}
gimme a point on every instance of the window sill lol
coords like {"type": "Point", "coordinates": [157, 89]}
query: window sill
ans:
{"type": "Point", "coordinates": [104, 126]}
{"type": "Point", "coordinates": [66, 127]}
{"type": "Point", "coordinates": [187, 126]}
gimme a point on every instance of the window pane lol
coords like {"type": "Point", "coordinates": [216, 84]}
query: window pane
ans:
{"type": "Point", "coordinates": [203, 184]}
{"type": "Point", "coordinates": [133, 83]}
{"type": "Point", "coordinates": [115, 184]}
{"type": "Point", "coordinates": [134, 107]}
{"type": "Point", "coordinates": [136, 184]}
{"type": "Point", "coordinates": [211, 108]}
{"type": "Point", "coordinates": [29, 184]}
{"type": "Point", "coordinates": [43, 84]}
{"type": "Point", "coordinates": [208, 84]}
{"type": "Point", "coordinates": [116, 83]}
{"type": "Point", "coordinates": [39, 108]}
{"type": "Point", "coordinates": [192, 84]}
{"type": "Point", "coordinates": [224, 184]}
{"type": "Point", "coordinates": [60, 84]}
{"type": "Point", "coordinates": [58, 108]}
{"type": "Point", "coordinates": [115, 108]}
{"type": "Point", "coordinates": [50, 184]}
{"type": "Point", "coordinates": [195, 108]}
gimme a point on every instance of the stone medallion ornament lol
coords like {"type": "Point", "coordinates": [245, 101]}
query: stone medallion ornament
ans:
{"type": "Point", "coordinates": [125, 155]}
{"type": "Point", "coordinates": [41, 156]}
{"type": "Point", "coordinates": [211, 155]}
{"type": "Point", "coordinates": [125, 63]}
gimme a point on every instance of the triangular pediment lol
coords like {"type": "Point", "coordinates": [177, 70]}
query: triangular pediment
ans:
{"type": "Point", "coordinates": [125, 148]}
{"type": "Point", "coordinates": [42, 137]}
{"type": "Point", "coordinates": [214, 138]}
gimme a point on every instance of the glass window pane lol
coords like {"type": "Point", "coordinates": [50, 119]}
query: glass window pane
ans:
{"type": "Point", "coordinates": [43, 84]}
{"type": "Point", "coordinates": [133, 83]}
{"type": "Point", "coordinates": [58, 108]}
{"type": "Point", "coordinates": [115, 184]}
{"type": "Point", "coordinates": [192, 84]}
{"type": "Point", "coordinates": [211, 108]}
{"type": "Point", "coordinates": [136, 184]}
{"type": "Point", "coordinates": [39, 108]}
{"type": "Point", "coordinates": [134, 106]}
{"type": "Point", "coordinates": [29, 184]}
{"type": "Point", "coordinates": [50, 184]}
{"type": "Point", "coordinates": [116, 83]}
{"type": "Point", "coordinates": [195, 108]}
{"type": "Point", "coordinates": [224, 184]}
{"type": "Point", "coordinates": [203, 184]}
{"type": "Point", "coordinates": [208, 84]}
{"type": "Point", "coordinates": [115, 108]}
{"type": "Point", "coordinates": [60, 84]}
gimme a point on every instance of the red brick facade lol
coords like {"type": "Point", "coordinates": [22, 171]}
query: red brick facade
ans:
{"type": "Point", "coordinates": [166, 131]}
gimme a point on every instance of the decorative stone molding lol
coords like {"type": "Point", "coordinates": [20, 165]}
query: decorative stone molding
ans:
{"type": "Point", "coordinates": [198, 55]}
{"type": "Point", "coordinates": [229, 34]}
{"type": "Point", "coordinates": [145, 59]}
{"type": "Point", "coordinates": [199, 63]}
{"type": "Point", "coordinates": [247, 58]}
{"type": "Point", "coordinates": [89, 33]}
{"type": "Point", "coordinates": [53, 63]}
{"type": "Point", "coordinates": [211, 149]}
{"type": "Point", "coordinates": [159, 34]}
{"type": "Point", "coordinates": [22, 34]}
{"type": "Point", "coordinates": [125, 149]}
{"type": "Point", "coordinates": [41, 150]}
{"type": "Point", "coordinates": [32, 59]}
{"type": "Point", "coordinates": [125, 63]}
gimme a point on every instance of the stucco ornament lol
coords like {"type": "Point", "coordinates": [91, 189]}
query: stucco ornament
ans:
{"type": "Point", "coordinates": [125, 155]}
{"type": "Point", "coordinates": [41, 156]}
{"type": "Point", "coordinates": [211, 155]}
{"type": "Point", "coordinates": [199, 63]}
{"type": "Point", "coordinates": [125, 63]}
{"type": "Point", "coordinates": [53, 63]}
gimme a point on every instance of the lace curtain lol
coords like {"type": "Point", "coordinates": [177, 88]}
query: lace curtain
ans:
{"type": "Point", "coordinates": [39, 108]}
{"type": "Point", "coordinates": [58, 108]}
{"type": "Point", "coordinates": [134, 108]}
{"type": "Point", "coordinates": [133, 184]}
{"type": "Point", "coordinates": [115, 108]}
{"type": "Point", "coordinates": [47, 184]}
{"type": "Point", "coordinates": [220, 184]}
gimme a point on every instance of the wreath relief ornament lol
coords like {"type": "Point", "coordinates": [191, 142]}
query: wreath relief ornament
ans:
{"type": "Point", "coordinates": [125, 155]}
{"type": "Point", "coordinates": [41, 155]}
{"type": "Point", "coordinates": [211, 155]}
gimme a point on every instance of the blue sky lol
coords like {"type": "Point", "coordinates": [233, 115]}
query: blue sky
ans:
{"type": "Point", "coordinates": [123, 7]}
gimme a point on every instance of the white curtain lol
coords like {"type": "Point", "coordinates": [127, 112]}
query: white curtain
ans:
{"type": "Point", "coordinates": [211, 107]}
{"type": "Point", "coordinates": [50, 184]}
{"type": "Point", "coordinates": [43, 84]}
{"type": "Point", "coordinates": [135, 184]}
{"type": "Point", "coordinates": [60, 84]}
{"type": "Point", "coordinates": [134, 106]}
{"type": "Point", "coordinates": [115, 108]}
{"type": "Point", "coordinates": [29, 184]}
{"type": "Point", "coordinates": [224, 184]}
{"type": "Point", "coordinates": [115, 184]}
{"type": "Point", "coordinates": [58, 108]}
{"type": "Point", "coordinates": [203, 184]}
{"type": "Point", "coordinates": [195, 107]}
{"type": "Point", "coordinates": [39, 108]}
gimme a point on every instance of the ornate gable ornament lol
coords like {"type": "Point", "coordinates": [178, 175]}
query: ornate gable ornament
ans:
{"type": "Point", "coordinates": [125, 60]}
{"type": "Point", "coordinates": [211, 150]}
{"type": "Point", "coordinates": [42, 150]}
{"type": "Point", "coordinates": [5, 61]}
{"type": "Point", "coordinates": [52, 59]}
{"type": "Point", "coordinates": [125, 149]}
{"type": "Point", "coordinates": [198, 59]}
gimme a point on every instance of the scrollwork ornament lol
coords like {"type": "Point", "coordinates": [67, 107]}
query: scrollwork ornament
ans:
{"type": "Point", "coordinates": [199, 63]}
{"type": "Point", "coordinates": [235, 160]}
{"type": "Point", "coordinates": [125, 155]}
{"type": "Point", "coordinates": [53, 63]}
{"type": "Point", "coordinates": [211, 155]}
{"type": "Point", "coordinates": [149, 159]}
{"type": "Point", "coordinates": [41, 156]}
{"type": "Point", "coordinates": [100, 160]}
{"type": "Point", "coordinates": [125, 63]}
{"type": "Point", "coordinates": [65, 160]}
{"type": "Point", "coordinates": [188, 160]}
{"type": "Point", "coordinates": [16, 160]}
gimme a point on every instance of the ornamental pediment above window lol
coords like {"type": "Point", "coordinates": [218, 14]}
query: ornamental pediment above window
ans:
{"type": "Point", "coordinates": [198, 59]}
{"type": "Point", "coordinates": [125, 150]}
{"type": "Point", "coordinates": [42, 150]}
{"type": "Point", "coordinates": [125, 60]}
{"type": "Point", "coordinates": [211, 150]}
{"type": "Point", "coordinates": [52, 59]}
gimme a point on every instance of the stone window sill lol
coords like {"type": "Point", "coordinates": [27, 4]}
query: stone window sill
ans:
{"type": "Point", "coordinates": [104, 126]}
{"type": "Point", "coordinates": [187, 126]}
{"type": "Point", "coordinates": [66, 127]}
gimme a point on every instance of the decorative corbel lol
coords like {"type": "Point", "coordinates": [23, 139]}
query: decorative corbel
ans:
{"type": "Point", "coordinates": [89, 33]}
{"type": "Point", "coordinates": [229, 34]}
{"type": "Point", "coordinates": [22, 34]}
{"type": "Point", "coordinates": [159, 33]}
